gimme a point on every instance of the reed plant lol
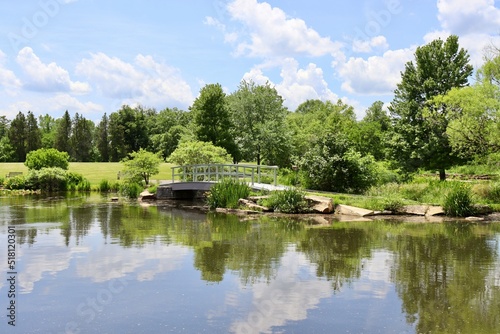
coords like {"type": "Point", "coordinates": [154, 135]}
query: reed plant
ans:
{"type": "Point", "coordinates": [290, 200]}
{"type": "Point", "coordinates": [227, 193]}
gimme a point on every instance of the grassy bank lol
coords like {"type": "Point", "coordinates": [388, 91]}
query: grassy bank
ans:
{"type": "Point", "coordinates": [95, 172]}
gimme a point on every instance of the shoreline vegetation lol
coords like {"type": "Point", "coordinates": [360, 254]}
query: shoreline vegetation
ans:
{"type": "Point", "coordinates": [469, 194]}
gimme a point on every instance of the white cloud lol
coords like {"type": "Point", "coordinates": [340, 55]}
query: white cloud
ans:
{"type": "Point", "coordinates": [61, 102]}
{"type": "Point", "coordinates": [466, 17]}
{"type": "Point", "coordinates": [8, 79]}
{"type": "Point", "coordinates": [288, 297]}
{"type": "Point", "coordinates": [375, 75]}
{"type": "Point", "coordinates": [146, 81]}
{"type": "Point", "coordinates": [273, 33]}
{"type": "Point", "coordinates": [377, 42]}
{"type": "Point", "coordinates": [47, 77]}
{"type": "Point", "coordinates": [229, 37]}
{"type": "Point", "coordinates": [297, 84]}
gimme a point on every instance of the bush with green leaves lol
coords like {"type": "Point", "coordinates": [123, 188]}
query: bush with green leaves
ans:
{"type": "Point", "coordinates": [131, 189]}
{"type": "Point", "coordinates": [47, 157]}
{"type": "Point", "coordinates": [51, 179]}
{"type": "Point", "coordinates": [288, 177]}
{"type": "Point", "coordinates": [458, 202]}
{"type": "Point", "coordinates": [141, 165]}
{"type": "Point", "coordinates": [104, 186]}
{"type": "Point", "coordinates": [290, 200]}
{"type": "Point", "coordinates": [227, 193]}
{"type": "Point", "coordinates": [332, 164]}
{"type": "Point", "coordinates": [17, 182]}
{"type": "Point", "coordinates": [198, 153]}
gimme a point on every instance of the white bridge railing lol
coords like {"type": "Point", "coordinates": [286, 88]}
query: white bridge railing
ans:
{"type": "Point", "coordinates": [217, 172]}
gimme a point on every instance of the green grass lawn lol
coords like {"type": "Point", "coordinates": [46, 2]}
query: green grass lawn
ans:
{"type": "Point", "coordinates": [92, 171]}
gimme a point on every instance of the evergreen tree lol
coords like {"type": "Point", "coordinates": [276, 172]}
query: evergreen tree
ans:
{"type": "Point", "coordinates": [81, 139]}
{"type": "Point", "coordinates": [33, 133]}
{"type": "Point", "coordinates": [17, 136]}
{"type": "Point", "coordinates": [102, 139]}
{"type": "Point", "coordinates": [63, 134]}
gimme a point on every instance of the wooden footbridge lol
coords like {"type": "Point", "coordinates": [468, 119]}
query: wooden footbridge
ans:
{"type": "Point", "coordinates": [191, 181]}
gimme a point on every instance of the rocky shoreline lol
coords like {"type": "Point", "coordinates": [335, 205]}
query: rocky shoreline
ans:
{"type": "Point", "coordinates": [324, 211]}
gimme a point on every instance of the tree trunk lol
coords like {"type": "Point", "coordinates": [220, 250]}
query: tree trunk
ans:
{"type": "Point", "coordinates": [442, 175]}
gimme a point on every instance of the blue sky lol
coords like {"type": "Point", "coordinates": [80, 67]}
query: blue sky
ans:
{"type": "Point", "coordinates": [90, 56]}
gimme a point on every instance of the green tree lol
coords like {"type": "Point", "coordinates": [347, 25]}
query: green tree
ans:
{"type": "Point", "coordinates": [128, 131]}
{"type": "Point", "coordinates": [63, 133]}
{"type": "Point", "coordinates": [315, 118]}
{"type": "Point", "coordinates": [47, 157]}
{"type": "Point", "coordinates": [371, 132]}
{"type": "Point", "coordinates": [102, 139]}
{"type": "Point", "coordinates": [419, 139]}
{"type": "Point", "coordinates": [82, 139]}
{"type": "Point", "coordinates": [166, 130]}
{"type": "Point", "coordinates": [261, 132]}
{"type": "Point", "coordinates": [48, 129]}
{"type": "Point", "coordinates": [332, 164]}
{"type": "Point", "coordinates": [33, 133]}
{"type": "Point", "coordinates": [198, 153]}
{"type": "Point", "coordinates": [142, 165]}
{"type": "Point", "coordinates": [4, 126]}
{"type": "Point", "coordinates": [475, 128]}
{"type": "Point", "coordinates": [17, 136]}
{"type": "Point", "coordinates": [6, 151]}
{"type": "Point", "coordinates": [212, 119]}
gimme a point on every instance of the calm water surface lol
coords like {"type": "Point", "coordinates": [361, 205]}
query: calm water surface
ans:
{"type": "Point", "coordinates": [85, 265]}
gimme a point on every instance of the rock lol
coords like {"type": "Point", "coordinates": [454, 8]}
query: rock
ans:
{"type": "Point", "coordinates": [479, 219]}
{"type": "Point", "coordinates": [147, 196]}
{"type": "Point", "coordinates": [421, 210]}
{"type": "Point", "coordinates": [254, 206]}
{"type": "Point", "coordinates": [321, 204]}
{"type": "Point", "coordinates": [418, 210]}
{"type": "Point", "coordinates": [434, 211]}
{"type": "Point", "coordinates": [348, 210]}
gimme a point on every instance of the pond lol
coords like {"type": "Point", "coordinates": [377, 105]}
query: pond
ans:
{"type": "Point", "coordinates": [87, 265]}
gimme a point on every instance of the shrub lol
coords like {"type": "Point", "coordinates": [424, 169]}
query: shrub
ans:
{"type": "Point", "coordinates": [288, 177]}
{"type": "Point", "coordinates": [2, 180]}
{"type": "Point", "coordinates": [458, 202]}
{"type": "Point", "coordinates": [84, 185]}
{"type": "Point", "coordinates": [289, 200]}
{"type": "Point", "coordinates": [227, 193]}
{"type": "Point", "coordinates": [104, 186]}
{"type": "Point", "coordinates": [17, 182]}
{"type": "Point", "coordinates": [51, 179]}
{"type": "Point", "coordinates": [45, 158]}
{"type": "Point", "coordinates": [393, 204]}
{"type": "Point", "coordinates": [131, 189]}
{"type": "Point", "coordinates": [332, 164]}
{"type": "Point", "coordinates": [152, 189]}
{"type": "Point", "coordinates": [494, 193]}
{"type": "Point", "coordinates": [115, 187]}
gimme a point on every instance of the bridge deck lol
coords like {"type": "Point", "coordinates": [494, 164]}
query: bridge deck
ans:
{"type": "Point", "coordinates": [206, 185]}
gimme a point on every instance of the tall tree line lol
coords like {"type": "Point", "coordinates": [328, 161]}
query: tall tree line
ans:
{"type": "Point", "coordinates": [435, 121]}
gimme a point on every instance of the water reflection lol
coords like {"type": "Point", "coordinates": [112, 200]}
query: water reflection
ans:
{"type": "Point", "coordinates": [275, 275]}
